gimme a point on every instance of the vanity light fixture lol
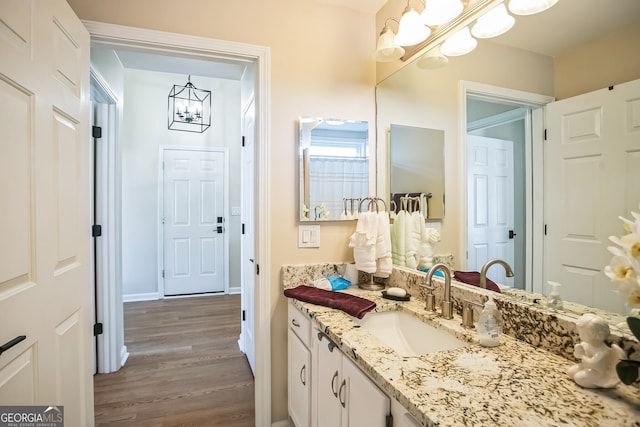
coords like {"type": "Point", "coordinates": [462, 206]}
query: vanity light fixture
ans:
{"type": "Point", "coordinates": [411, 29]}
{"type": "Point", "coordinates": [387, 49]}
{"type": "Point", "coordinates": [189, 108]}
{"type": "Point", "coordinates": [530, 7]}
{"type": "Point", "coordinates": [495, 22]}
{"type": "Point", "coordinates": [459, 43]}
{"type": "Point", "coordinates": [432, 59]}
{"type": "Point", "coordinates": [438, 12]}
{"type": "Point", "coordinates": [491, 16]}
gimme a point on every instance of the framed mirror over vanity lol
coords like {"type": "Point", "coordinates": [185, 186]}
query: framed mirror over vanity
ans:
{"type": "Point", "coordinates": [334, 167]}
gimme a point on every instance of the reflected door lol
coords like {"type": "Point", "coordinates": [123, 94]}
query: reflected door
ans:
{"type": "Point", "coordinates": [193, 222]}
{"type": "Point", "coordinates": [592, 164]}
{"type": "Point", "coordinates": [490, 200]}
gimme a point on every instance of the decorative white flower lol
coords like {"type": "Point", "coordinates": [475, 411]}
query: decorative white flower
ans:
{"type": "Point", "coordinates": [624, 267]}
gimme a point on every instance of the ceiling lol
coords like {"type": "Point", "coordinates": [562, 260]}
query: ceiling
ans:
{"type": "Point", "coordinates": [567, 24]}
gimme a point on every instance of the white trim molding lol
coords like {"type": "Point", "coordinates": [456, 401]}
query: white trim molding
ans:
{"type": "Point", "coordinates": [118, 36]}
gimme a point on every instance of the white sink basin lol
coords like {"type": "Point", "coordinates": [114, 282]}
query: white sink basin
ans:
{"type": "Point", "coordinates": [408, 335]}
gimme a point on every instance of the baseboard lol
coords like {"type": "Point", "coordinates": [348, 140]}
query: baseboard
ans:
{"type": "Point", "coordinates": [235, 290]}
{"type": "Point", "coordinates": [124, 355]}
{"type": "Point", "coordinates": [283, 423]}
{"type": "Point", "coordinates": [141, 297]}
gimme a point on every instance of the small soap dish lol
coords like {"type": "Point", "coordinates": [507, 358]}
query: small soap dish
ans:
{"type": "Point", "coordinates": [406, 297]}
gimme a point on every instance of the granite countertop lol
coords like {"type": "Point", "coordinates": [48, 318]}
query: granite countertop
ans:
{"type": "Point", "coordinates": [514, 384]}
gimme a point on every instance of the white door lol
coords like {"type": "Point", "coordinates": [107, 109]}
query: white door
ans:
{"type": "Point", "coordinates": [592, 159]}
{"type": "Point", "coordinates": [490, 205]}
{"type": "Point", "coordinates": [45, 264]}
{"type": "Point", "coordinates": [247, 239]}
{"type": "Point", "coordinates": [193, 218]}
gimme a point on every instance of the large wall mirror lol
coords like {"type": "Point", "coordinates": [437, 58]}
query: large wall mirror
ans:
{"type": "Point", "coordinates": [416, 170]}
{"type": "Point", "coordinates": [334, 167]}
{"type": "Point", "coordinates": [434, 99]}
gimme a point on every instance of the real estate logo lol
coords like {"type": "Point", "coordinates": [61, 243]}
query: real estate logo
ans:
{"type": "Point", "coordinates": [31, 416]}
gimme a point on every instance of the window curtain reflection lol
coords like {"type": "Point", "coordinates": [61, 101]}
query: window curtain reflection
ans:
{"type": "Point", "coordinates": [333, 178]}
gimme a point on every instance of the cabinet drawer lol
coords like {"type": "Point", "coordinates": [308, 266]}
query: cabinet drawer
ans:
{"type": "Point", "coordinates": [300, 324]}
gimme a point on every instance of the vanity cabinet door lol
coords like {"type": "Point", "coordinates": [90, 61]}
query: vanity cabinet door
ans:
{"type": "Point", "coordinates": [299, 382]}
{"type": "Point", "coordinates": [366, 405]}
{"type": "Point", "coordinates": [327, 391]}
{"type": "Point", "coordinates": [345, 396]}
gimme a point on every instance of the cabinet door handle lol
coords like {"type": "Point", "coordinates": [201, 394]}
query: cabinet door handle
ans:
{"type": "Point", "coordinates": [343, 401]}
{"type": "Point", "coordinates": [334, 384]}
{"type": "Point", "coordinates": [302, 375]}
{"type": "Point", "coordinates": [294, 323]}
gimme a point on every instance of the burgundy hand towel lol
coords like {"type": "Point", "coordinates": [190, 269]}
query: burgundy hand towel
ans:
{"type": "Point", "coordinates": [473, 278]}
{"type": "Point", "coordinates": [350, 304]}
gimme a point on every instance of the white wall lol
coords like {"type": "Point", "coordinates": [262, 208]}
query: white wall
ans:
{"type": "Point", "coordinates": [144, 129]}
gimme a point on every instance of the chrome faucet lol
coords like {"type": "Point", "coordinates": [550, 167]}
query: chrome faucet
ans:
{"type": "Point", "coordinates": [446, 305]}
{"type": "Point", "coordinates": [485, 267]}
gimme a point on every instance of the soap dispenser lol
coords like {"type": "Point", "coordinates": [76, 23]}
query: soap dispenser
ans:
{"type": "Point", "coordinates": [489, 324]}
{"type": "Point", "coordinates": [553, 299]}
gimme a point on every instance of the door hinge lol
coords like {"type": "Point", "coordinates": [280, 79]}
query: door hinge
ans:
{"type": "Point", "coordinates": [545, 134]}
{"type": "Point", "coordinates": [545, 229]}
{"type": "Point", "coordinates": [257, 269]}
{"type": "Point", "coordinates": [163, 274]}
{"type": "Point", "coordinates": [96, 230]}
{"type": "Point", "coordinates": [243, 140]}
{"type": "Point", "coordinates": [97, 329]}
{"type": "Point", "coordinates": [244, 315]}
{"type": "Point", "coordinates": [96, 132]}
{"type": "Point", "coordinates": [242, 228]}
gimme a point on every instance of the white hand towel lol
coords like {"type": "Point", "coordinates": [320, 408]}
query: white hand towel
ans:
{"type": "Point", "coordinates": [398, 233]}
{"type": "Point", "coordinates": [412, 242]}
{"type": "Point", "coordinates": [363, 241]}
{"type": "Point", "coordinates": [383, 246]}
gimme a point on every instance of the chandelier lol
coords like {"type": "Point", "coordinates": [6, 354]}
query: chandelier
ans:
{"type": "Point", "coordinates": [189, 108]}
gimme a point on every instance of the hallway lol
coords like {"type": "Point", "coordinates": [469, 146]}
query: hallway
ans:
{"type": "Point", "coordinates": [184, 367]}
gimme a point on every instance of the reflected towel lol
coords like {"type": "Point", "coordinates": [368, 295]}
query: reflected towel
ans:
{"type": "Point", "coordinates": [350, 304]}
{"type": "Point", "coordinates": [473, 278]}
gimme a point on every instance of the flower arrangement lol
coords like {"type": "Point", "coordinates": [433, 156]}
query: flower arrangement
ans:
{"type": "Point", "coordinates": [624, 271]}
{"type": "Point", "coordinates": [624, 268]}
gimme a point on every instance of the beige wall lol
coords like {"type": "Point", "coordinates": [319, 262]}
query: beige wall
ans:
{"type": "Point", "coordinates": [320, 65]}
{"type": "Point", "coordinates": [613, 60]}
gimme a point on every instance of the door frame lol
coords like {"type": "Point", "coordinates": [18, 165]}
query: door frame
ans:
{"type": "Point", "coordinates": [111, 351]}
{"type": "Point", "coordinates": [534, 179]}
{"type": "Point", "coordinates": [225, 201]}
{"type": "Point", "coordinates": [112, 35]}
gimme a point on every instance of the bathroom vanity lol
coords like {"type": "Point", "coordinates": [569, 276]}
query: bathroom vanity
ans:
{"type": "Point", "coordinates": [516, 383]}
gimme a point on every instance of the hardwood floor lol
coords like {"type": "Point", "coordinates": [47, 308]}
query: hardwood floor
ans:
{"type": "Point", "coordinates": [184, 368]}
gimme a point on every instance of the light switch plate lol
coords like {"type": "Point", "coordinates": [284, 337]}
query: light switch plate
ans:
{"type": "Point", "coordinates": [308, 236]}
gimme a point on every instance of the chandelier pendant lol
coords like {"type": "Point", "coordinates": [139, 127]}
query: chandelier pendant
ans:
{"type": "Point", "coordinates": [189, 108]}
